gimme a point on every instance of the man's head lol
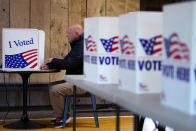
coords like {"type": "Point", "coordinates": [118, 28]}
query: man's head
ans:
{"type": "Point", "coordinates": [73, 32]}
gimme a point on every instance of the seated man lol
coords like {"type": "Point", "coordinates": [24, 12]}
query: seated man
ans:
{"type": "Point", "coordinates": [73, 63]}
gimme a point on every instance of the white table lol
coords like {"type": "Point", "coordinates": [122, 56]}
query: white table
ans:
{"type": "Point", "coordinates": [145, 104]}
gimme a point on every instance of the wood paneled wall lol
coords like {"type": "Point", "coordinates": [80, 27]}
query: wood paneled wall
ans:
{"type": "Point", "coordinates": [53, 16]}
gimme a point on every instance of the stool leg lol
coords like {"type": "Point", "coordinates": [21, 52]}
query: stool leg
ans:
{"type": "Point", "coordinates": [161, 127]}
{"type": "Point", "coordinates": [141, 123]}
{"type": "Point", "coordinates": [117, 118]}
{"type": "Point", "coordinates": [136, 122]}
{"type": "Point", "coordinates": [66, 108]}
{"type": "Point", "coordinates": [93, 100]}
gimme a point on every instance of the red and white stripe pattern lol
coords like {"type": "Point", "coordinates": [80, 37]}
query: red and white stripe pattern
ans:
{"type": "Point", "coordinates": [158, 45]}
{"type": "Point", "coordinates": [128, 47]}
{"type": "Point", "coordinates": [90, 44]}
{"type": "Point", "coordinates": [115, 44]}
{"type": "Point", "coordinates": [31, 57]}
{"type": "Point", "coordinates": [178, 50]}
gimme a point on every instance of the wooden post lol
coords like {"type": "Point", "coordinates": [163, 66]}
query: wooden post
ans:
{"type": "Point", "coordinates": [59, 23]}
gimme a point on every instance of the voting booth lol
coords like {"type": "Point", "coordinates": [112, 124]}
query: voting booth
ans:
{"type": "Point", "coordinates": [22, 49]}
{"type": "Point", "coordinates": [101, 50]}
{"type": "Point", "coordinates": [179, 59]}
{"type": "Point", "coordinates": [141, 52]}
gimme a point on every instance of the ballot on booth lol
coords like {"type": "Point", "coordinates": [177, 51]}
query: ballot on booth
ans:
{"type": "Point", "coordinates": [101, 50]}
{"type": "Point", "coordinates": [179, 59]}
{"type": "Point", "coordinates": [22, 49]}
{"type": "Point", "coordinates": [140, 60]}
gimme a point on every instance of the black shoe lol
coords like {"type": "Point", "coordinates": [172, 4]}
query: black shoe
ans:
{"type": "Point", "coordinates": [57, 120]}
{"type": "Point", "coordinates": [60, 124]}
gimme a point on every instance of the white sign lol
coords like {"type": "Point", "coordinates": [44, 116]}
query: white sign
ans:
{"type": "Point", "coordinates": [179, 64]}
{"type": "Point", "coordinates": [101, 50]}
{"type": "Point", "coordinates": [141, 52]}
{"type": "Point", "coordinates": [23, 49]}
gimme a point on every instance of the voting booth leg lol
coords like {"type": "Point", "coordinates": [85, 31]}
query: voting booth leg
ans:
{"type": "Point", "coordinates": [74, 108]}
{"type": "Point", "coordinates": [24, 123]}
{"type": "Point", "coordinates": [136, 122]}
{"type": "Point", "coordinates": [117, 118]}
{"type": "Point", "coordinates": [141, 123]}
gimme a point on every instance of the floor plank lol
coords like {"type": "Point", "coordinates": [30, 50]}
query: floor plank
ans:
{"type": "Point", "coordinates": [87, 124]}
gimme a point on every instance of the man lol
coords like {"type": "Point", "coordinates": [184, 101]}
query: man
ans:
{"type": "Point", "coordinates": [73, 63]}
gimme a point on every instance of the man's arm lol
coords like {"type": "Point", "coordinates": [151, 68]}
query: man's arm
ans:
{"type": "Point", "coordinates": [70, 62]}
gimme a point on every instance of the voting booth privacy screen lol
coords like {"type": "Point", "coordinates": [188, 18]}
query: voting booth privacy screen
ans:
{"type": "Point", "coordinates": [179, 63]}
{"type": "Point", "coordinates": [101, 50]}
{"type": "Point", "coordinates": [141, 52]}
{"type": "Point", "coordinates": [22, 49]}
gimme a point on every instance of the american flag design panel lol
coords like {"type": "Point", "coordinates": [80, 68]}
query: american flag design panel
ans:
{"type": "Point", "coordinates": [175, 49]}
{"type": "Point", "coordinates": [111, 44]}
{"type": "Point", "coordinates": [152, 46]}
{"type": "Point", "coordinates": [127, 47]}
{"type": "Point", "coordinates": [90, 44]}
{"type": "Point", "coordinates": [25, 59]}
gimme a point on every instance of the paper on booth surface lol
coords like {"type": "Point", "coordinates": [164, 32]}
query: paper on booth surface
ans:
{"type": "Point", "coordinates": [101, 49]}
{"type": "Point", "coordinates": [22, 49]}
{"type": "Point", "coordinates": [141, 52]}
{"type": "Point", "coordinates": [179, 57]}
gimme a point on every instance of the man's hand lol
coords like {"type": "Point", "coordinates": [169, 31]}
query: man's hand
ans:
{"type": "Point", "coordinates": [44, 67]}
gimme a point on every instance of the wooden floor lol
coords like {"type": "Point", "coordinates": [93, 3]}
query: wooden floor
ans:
{"type": "Point", "coordinates": [87, 124]}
